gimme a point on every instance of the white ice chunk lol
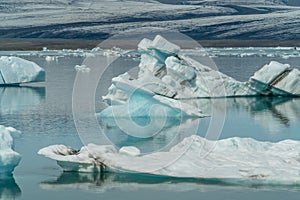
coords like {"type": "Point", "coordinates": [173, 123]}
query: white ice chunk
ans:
{"type": "Point", "coordinates": [82, 68]}
{"type": "Point", "coordinates": [9, 159]}
{"type": "Point", "coordinates": [233, 158]}
{"type": "Point", "coordinates": [144, 44]}
{"type": "Point", "coordinates": [179, 70]}
{"type": "Point", "coordinates": [269, 72]}
{"type": "Point", "coordinates": [51, 58]}
{"type": "Point", "coordinates": [291, 83]}
{"type": "Point", "coordinates": [130, 150]}
{"type": "Point", "coordinates": [150, 63]}
{"type": "Point", "coordinates": [15, 70]}
{"type": "Point", "coordinates": [82, 161]}
{"type": "Point", "coordinates": [164, 45]}
{"type": "Point", "coordinates": [276, 79]}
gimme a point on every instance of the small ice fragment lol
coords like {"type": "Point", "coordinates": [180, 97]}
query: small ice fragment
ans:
{"type": "Point", "coordinates": [51, 58]}
{"type": "Point", "coordinates": [130, 151]}
{"type": "Point", "coordinates": [164, 45]}
{"type": "Point", "coordinates": [82, 68]}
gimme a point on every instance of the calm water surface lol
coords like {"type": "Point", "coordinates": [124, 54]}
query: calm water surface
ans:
{"type": "Point", "coordinates": [44, 115]}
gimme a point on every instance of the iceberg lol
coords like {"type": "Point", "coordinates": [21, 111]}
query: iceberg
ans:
{"type": "Point", "coordinates": [14, 71]}
{"type": "Point", "coordinates": [166, 77]}
{"type": "Point", "coordinates": [9, 159]}
{"type": "Point", "coordinates": [276, 79]}
{"type": "Point", "coordinates": [241, 159]}
{"type": "Point", "coordinates": [144, 103]}
{"type": "Point", "coordinates": [166, 72]}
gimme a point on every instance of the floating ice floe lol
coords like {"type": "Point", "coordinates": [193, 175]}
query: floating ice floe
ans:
{"type": "Point", "coordinates": [9, 159]}
{"type": "Point", "coordinates": [51, 58]}
{"type": "Point", "coordinates": [14, 70]}
{"type": "Point", "coordinates": [233, 158]}
{"type": "Point", "coordinates": [82, 68]}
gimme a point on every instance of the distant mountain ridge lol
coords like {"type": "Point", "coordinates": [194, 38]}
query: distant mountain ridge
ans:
{"type": "Point", "coordinates": [235, 2]}
{"type": "Point", "coordinates": [99, 19]}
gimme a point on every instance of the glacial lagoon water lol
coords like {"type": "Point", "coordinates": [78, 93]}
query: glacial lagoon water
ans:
{"type": "Point", "coordinates": [43, 112]}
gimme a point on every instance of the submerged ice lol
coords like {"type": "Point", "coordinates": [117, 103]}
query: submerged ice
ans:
{"type": "Point", "coordinates": [233, 158]}
{"type": "Point", "coordinates": [9, 159]}
{"type": "Point", "coordinates": [14, 70]}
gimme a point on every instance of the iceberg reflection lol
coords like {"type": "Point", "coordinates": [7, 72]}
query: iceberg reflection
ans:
{"type": "Point", "coordinates": [272, 113]}
{"type": "Point", "coordinates": [103, 182]}
{"type": "Point", "coordinates": [18, 99]}
{"type": "Point", "coordinates": [277, 113]}
{"type": "Point", "coordinates": [162, 135]}
{"type": "Point", "coordinates": [9, 189]}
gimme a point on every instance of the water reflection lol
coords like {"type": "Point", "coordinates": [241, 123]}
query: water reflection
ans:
{"type": "Point", "coordinates": [170, 131]}
{"type": "Point", "coordinates": [103, 182]}
{"type": "Point", "coordinates": [18, 99]}
{"type": "Point", "coordinates": [278, 113]}
{"type": "Point", "coordinates": [271, 113]}
{"type": "Point", "coordinates": [9, 189]}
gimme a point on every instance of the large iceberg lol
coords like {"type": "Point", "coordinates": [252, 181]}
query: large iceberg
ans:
{"type": "Point", "coordinates": [165, 71]}
{"type": "Point", "coordinates": [166, 77]}
{"type": "Point", "coordinates": [242, 159]}
{"type": "Point", "coordinates": [9, 159]}
{"type": "Point", "coordinates": [14, 70]}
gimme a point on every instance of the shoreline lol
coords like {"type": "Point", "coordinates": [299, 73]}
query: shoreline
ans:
{"type": "Point", "coordinates": [20, 44]}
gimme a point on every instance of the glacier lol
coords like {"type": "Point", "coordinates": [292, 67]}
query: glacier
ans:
{"type": "Point", "coordinates": [241, 159]}
{"type": "Point", "coordinates": [14, 71]}
{"type": "Point", "coordinates": [9, 159]}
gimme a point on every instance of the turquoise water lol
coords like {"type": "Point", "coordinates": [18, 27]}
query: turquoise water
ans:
{"type": "Point", "coordinates": [43, 113]}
